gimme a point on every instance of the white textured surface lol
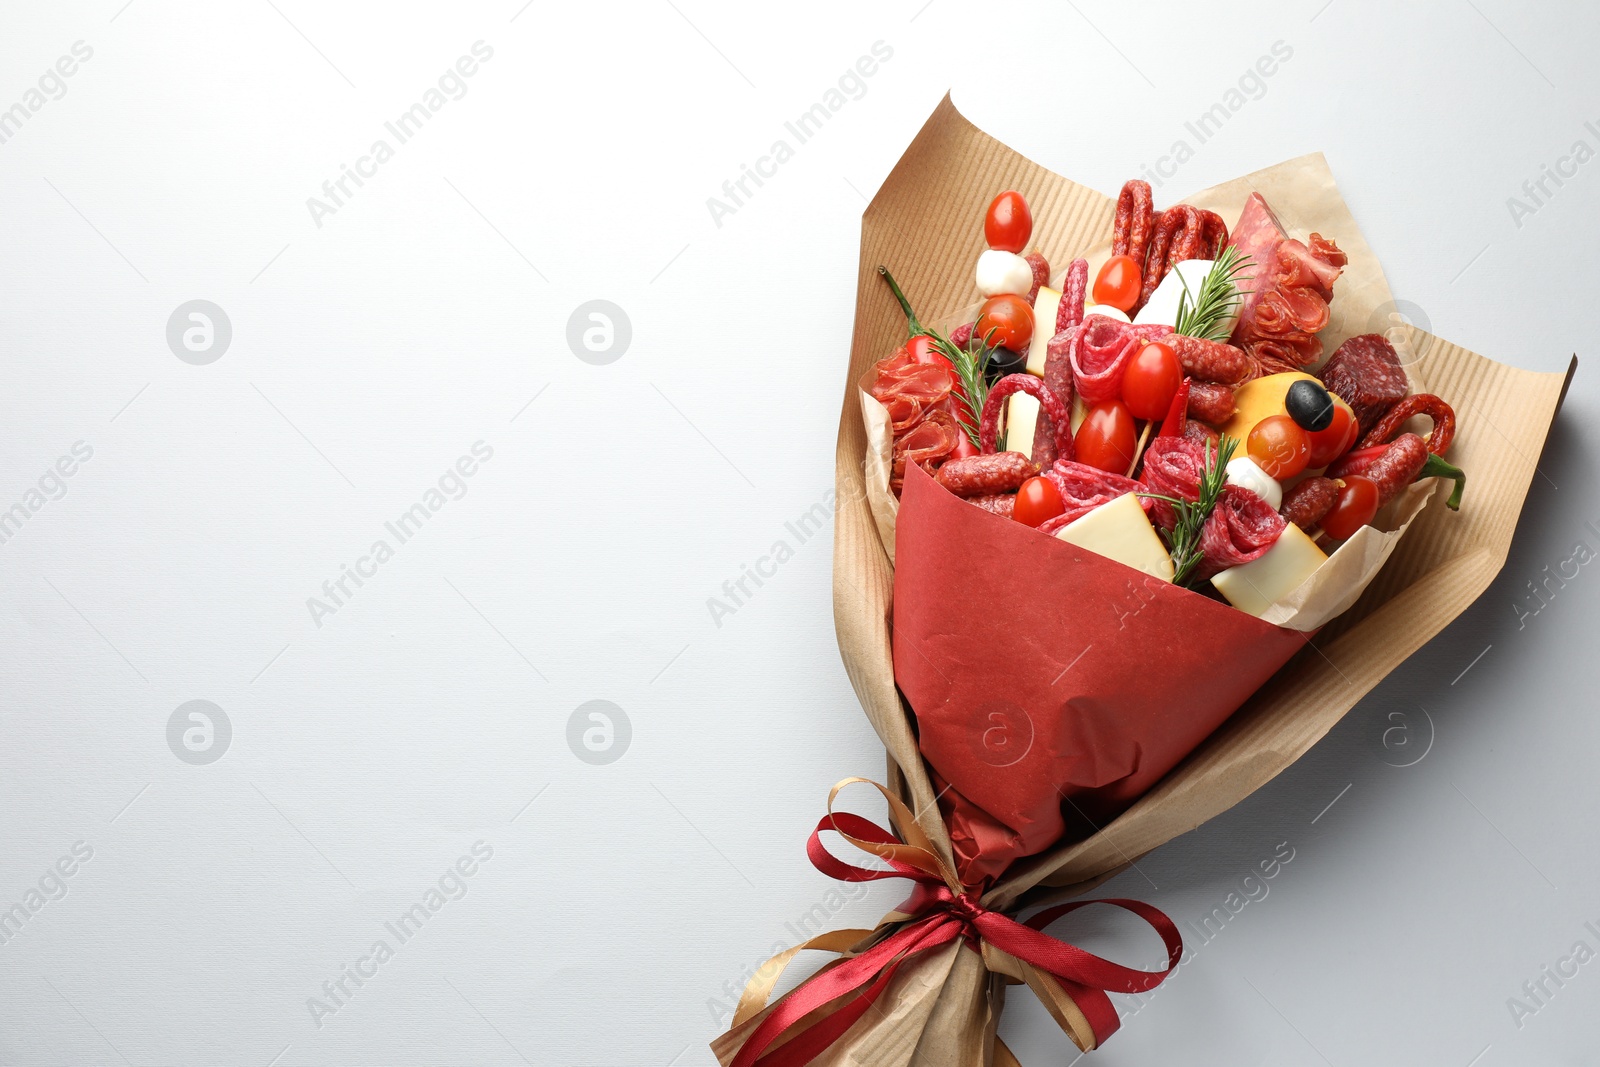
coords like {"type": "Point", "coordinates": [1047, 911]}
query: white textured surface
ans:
{"type": "Point", "coordinates": [370, 753]}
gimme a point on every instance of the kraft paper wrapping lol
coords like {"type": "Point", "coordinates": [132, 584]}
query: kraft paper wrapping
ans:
{"type": "Point", "coordinates": [924, 226]}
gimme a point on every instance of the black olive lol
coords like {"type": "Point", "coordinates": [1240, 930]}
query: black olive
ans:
{"type": "Point", "coordinates": [1003, 361]}
{"type": "Point", "coordinates": [1309, 405]}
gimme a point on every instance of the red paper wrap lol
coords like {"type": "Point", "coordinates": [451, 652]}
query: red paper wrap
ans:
{"type": "Point", "coordinates": [1052, 686]}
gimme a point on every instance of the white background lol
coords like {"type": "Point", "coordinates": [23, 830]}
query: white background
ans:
{"type": "Point", "coordinates": [430, 711]}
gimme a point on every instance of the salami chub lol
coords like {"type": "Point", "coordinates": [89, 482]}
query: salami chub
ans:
{"type": "Point", "coordinates": [1365, 373]}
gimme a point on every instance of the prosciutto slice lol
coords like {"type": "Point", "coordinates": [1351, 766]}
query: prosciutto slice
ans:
{"type": "Point", "coordinates": [1286, 300]}
{"type": "Point", "coordinates": [920, 400]}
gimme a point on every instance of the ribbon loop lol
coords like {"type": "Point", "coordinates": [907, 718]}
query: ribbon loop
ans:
{"type": "Point", "coordinates": [1070, 982]}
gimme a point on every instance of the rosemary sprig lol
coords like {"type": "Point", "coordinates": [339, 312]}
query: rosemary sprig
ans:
{"type": "Point", "coordinates": [1184, 540]}
{"type": "Point", "coordinates": [1205, 314]}
{"type": "Point", "coordinates": [971, 366]}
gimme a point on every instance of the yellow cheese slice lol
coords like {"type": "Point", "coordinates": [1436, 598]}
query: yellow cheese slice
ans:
{"type": "Point", "coordinates": [1022, 417]}
{"type": "Point", "coordinates": [1119, 530]}
{"type": "Point", "coordinates": [1255, 586]}
{"type": "Point", "coordinates": [1044, 328]}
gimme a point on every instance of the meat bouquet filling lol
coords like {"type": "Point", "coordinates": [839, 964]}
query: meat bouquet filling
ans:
{"type": "Point", "coordinates": [1176, 413]}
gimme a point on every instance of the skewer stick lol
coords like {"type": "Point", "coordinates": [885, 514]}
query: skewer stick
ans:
{"type": "Point", "coordinates": [1138, 450]}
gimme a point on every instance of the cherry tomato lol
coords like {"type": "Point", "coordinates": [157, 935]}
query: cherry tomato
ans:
{"type": "Point", "coordinates": [1011, 320]}
{"type": "Point", "coordinates": [1353, 508]}
{"type": "Point", "coordinates": [922, 350]}
{"type": "Point", "coordinates": [1106, 439]}
{"type": "Point", "coordinates": [1118, 283]}
{"type": "Point", "coordinates": [1279, 446]}
{"type": "Point", "coordinates": [1330, 442]}
{"type": "Point", "coordinates": [1009, 223]}
{"type": "Point", "coordinates": [1152, 380]}
{"type": "Point", "coordinates": [1037, 500]}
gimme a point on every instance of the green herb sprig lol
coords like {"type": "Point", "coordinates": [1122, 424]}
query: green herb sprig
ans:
{"type": "Point", "coordinates": [1183, 541]}
{"type": "Point", "coordinates": [1206, 314]}
{"type": "Point", "coordinates": [971, 364]}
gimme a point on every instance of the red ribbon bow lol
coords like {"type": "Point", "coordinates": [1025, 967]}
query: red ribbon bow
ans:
{"type": "Point", "coordinates": [1072, 983]}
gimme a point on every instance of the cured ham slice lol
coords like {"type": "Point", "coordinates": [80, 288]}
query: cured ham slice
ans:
{"type": "Point", "coordinates": [920, 399]}
{"type": "Point", "coordinates": [1286, 298]}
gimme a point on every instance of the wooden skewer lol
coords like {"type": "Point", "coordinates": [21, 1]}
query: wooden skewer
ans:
{"type": "Point", "coordinates": [1138, 450]}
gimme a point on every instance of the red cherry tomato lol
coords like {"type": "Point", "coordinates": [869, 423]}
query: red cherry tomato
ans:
{"type": "Point", "coordinates": [1037, 500]}
{"type": "Point", "coordinates": [1331, 442]}
{"type": "Point", "coordinates": [1279, 446]}
{"type": "Point", "coordinates": [1152, 380]}
{"type": "Point", "coordinates": [1106, 439]}
{"type": "Point", "coordinates": [1118, 283]}
{"type": "Point", "coordinates": [1011, 320]}
{"type": "Point", "coordinates": [1354, 507]}
{"type": "Point", "coordinates": [1009, 223]}
{"type": "Point", "coordinates": [921, 350]}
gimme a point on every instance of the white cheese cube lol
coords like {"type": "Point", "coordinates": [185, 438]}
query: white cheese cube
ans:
{"type": "Point", "coordinates": [1255, 586]}
{"type": "Point", "coordinates": [1244, 471]}
{"type": "Point", "coordinates": [1045, 306]}
{"type": "Point", "coordinates": [1162, 307]}
{"type": "Point", "coordinates": [1022, 417]}
{"type": "Point", "coordinates": [1119, 530]}
{"type": "Point", "coordinates": [1108, 311]}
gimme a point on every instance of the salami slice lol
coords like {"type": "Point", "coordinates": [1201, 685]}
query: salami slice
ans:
{"type": "Point", "coordinates": [1084, 488]}
{"type": "Point", "coordinates": [1241, 528]}
{"type": "Point", "coordinates": [1172, 467]}
{"type": "Point", "coordinates": [1101, 350]}
{"type": "Point", "coordinates": [1365, 373]}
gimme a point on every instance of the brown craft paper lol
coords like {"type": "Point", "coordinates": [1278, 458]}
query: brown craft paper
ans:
{"type": "Point", "coordinates": [923, 225]}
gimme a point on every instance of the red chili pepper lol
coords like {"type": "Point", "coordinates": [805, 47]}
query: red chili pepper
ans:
{"type": "Point", "coordinates": [1172, 425]}
{"type": "Point", "coordinates": [1442, 415]}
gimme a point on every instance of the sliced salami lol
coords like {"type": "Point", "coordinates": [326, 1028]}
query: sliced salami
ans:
{"type": "Point", "coordinates": [1084, 488]}
{"type": "Point", "coordinates": [1172, 467]}
{"type": "Point", "coordinates": [1101, 350]}
{"type": "Point", "coordinates": [1241, 528]}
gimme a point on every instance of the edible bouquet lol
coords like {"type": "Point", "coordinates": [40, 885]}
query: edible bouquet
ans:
{"type": "Point", "coordinates": [1137, 501]}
